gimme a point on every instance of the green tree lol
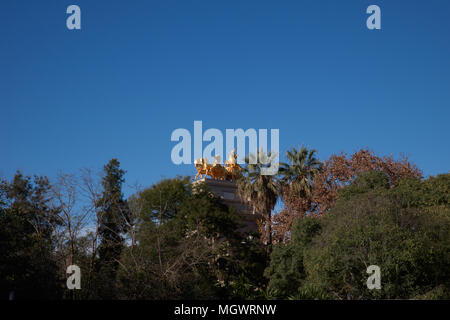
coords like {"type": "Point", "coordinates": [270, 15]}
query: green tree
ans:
{"type": "Point", "coordinates": [286, 272]}
{"type": "Point", "coordinates": [193, 253]}
{"type": "Point", "coordinates": [297, 181]}
{"type": "Point", "coordinates": [300, 172]}
{"type": "Point", "coordinates": [373, 224]}
{"type": "Point", "coordinates": [260, 190]}
{"type": "Point", "coordinates": [403, 229]}
{"type": "Point", "coordinates": [114, 221]}
{"type": "Point", "coordinates": [172, 256]}
{"type": "Point", "coordinates": [27, 220]}
{"type": "Point", "coordinates": [239, 258]}
{"type": "Point", "coordinates": [432, 192]}
{"type": "Point", "coordinates": [162, 201]}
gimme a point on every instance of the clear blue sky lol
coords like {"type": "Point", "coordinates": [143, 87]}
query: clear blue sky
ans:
{"type": "Point", "coordinates": [140, 69]}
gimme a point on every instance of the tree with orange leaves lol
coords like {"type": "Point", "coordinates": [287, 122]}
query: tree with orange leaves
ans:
{"type": "Point", "coordinates": [340, 170]}
{"type": "Point", "coordinates": [313, 188]}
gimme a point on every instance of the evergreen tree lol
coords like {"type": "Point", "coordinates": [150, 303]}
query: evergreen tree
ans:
{"type": "Point", "coordinates": [114, 221]}
{"type": "Point", "coordinates": [27, 220]}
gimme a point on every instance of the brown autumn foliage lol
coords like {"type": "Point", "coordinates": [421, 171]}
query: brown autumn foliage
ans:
{"type": "Point", "coordinates": [340, 170]}
{"type": "Point", "coordinates": [337, 172]}
{"type": "Point", "coordinates": [295, 206]}
{"type": "Point", "coordinates": [281, 225]}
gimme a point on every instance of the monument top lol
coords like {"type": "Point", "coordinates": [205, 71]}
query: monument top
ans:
{"type": "Point", "coordinates": [230, 172]}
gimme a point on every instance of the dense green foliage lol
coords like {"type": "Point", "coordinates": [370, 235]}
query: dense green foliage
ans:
{"type": "Point", "coordinates": [286, 271]}
{"type": "Point", "coordinates": [114, 222]}
{"type": "Point", "coordinates": [187, 247]}
{"type": "Point", "coordinates": [175, 240]}
{"type": "Point", "coordinates": [404, 230]}
{"type": "Point", "coordinates": [26, 225]}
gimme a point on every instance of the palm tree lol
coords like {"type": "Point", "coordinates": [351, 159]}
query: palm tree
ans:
{"type": "Point", "coordinates": [260, 189]}
{"type": "Point", "coordinates": [298, 176]}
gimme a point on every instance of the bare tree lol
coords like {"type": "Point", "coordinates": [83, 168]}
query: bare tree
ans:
{"type": "Point", "coordinates": [90, 188]}
{"type": "Point", "coordinates": [72, 219]}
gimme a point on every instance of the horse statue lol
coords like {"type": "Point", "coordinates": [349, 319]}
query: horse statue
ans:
{"type": "Point", "coordinates": [217, 171]}
{"type": "Point", "coordinates": [231, 158]}
{"type": "Point", "coordinates": [231, 171]}
{"type": "Point", "coordinates": [232, 167]}
{"type": "Point", "coordinates": [203, 168]}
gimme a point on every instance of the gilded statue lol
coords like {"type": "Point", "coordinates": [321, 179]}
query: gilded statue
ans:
{"type": "Point", "coordinates": [230, 172]}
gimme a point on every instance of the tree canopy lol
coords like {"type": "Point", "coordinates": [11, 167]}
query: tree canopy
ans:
{"type": "Point", "coordinates": [177, 240]}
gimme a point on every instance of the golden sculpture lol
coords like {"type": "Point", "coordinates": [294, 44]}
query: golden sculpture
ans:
{"type": "Point", "coordinates": [232, 167]}
{"type": "Point", "coordinates": [231, 171]}
{"type": "Point", "coordinates": [217, 171]}
{"type": "Point", "coordinates": [202, 167]}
